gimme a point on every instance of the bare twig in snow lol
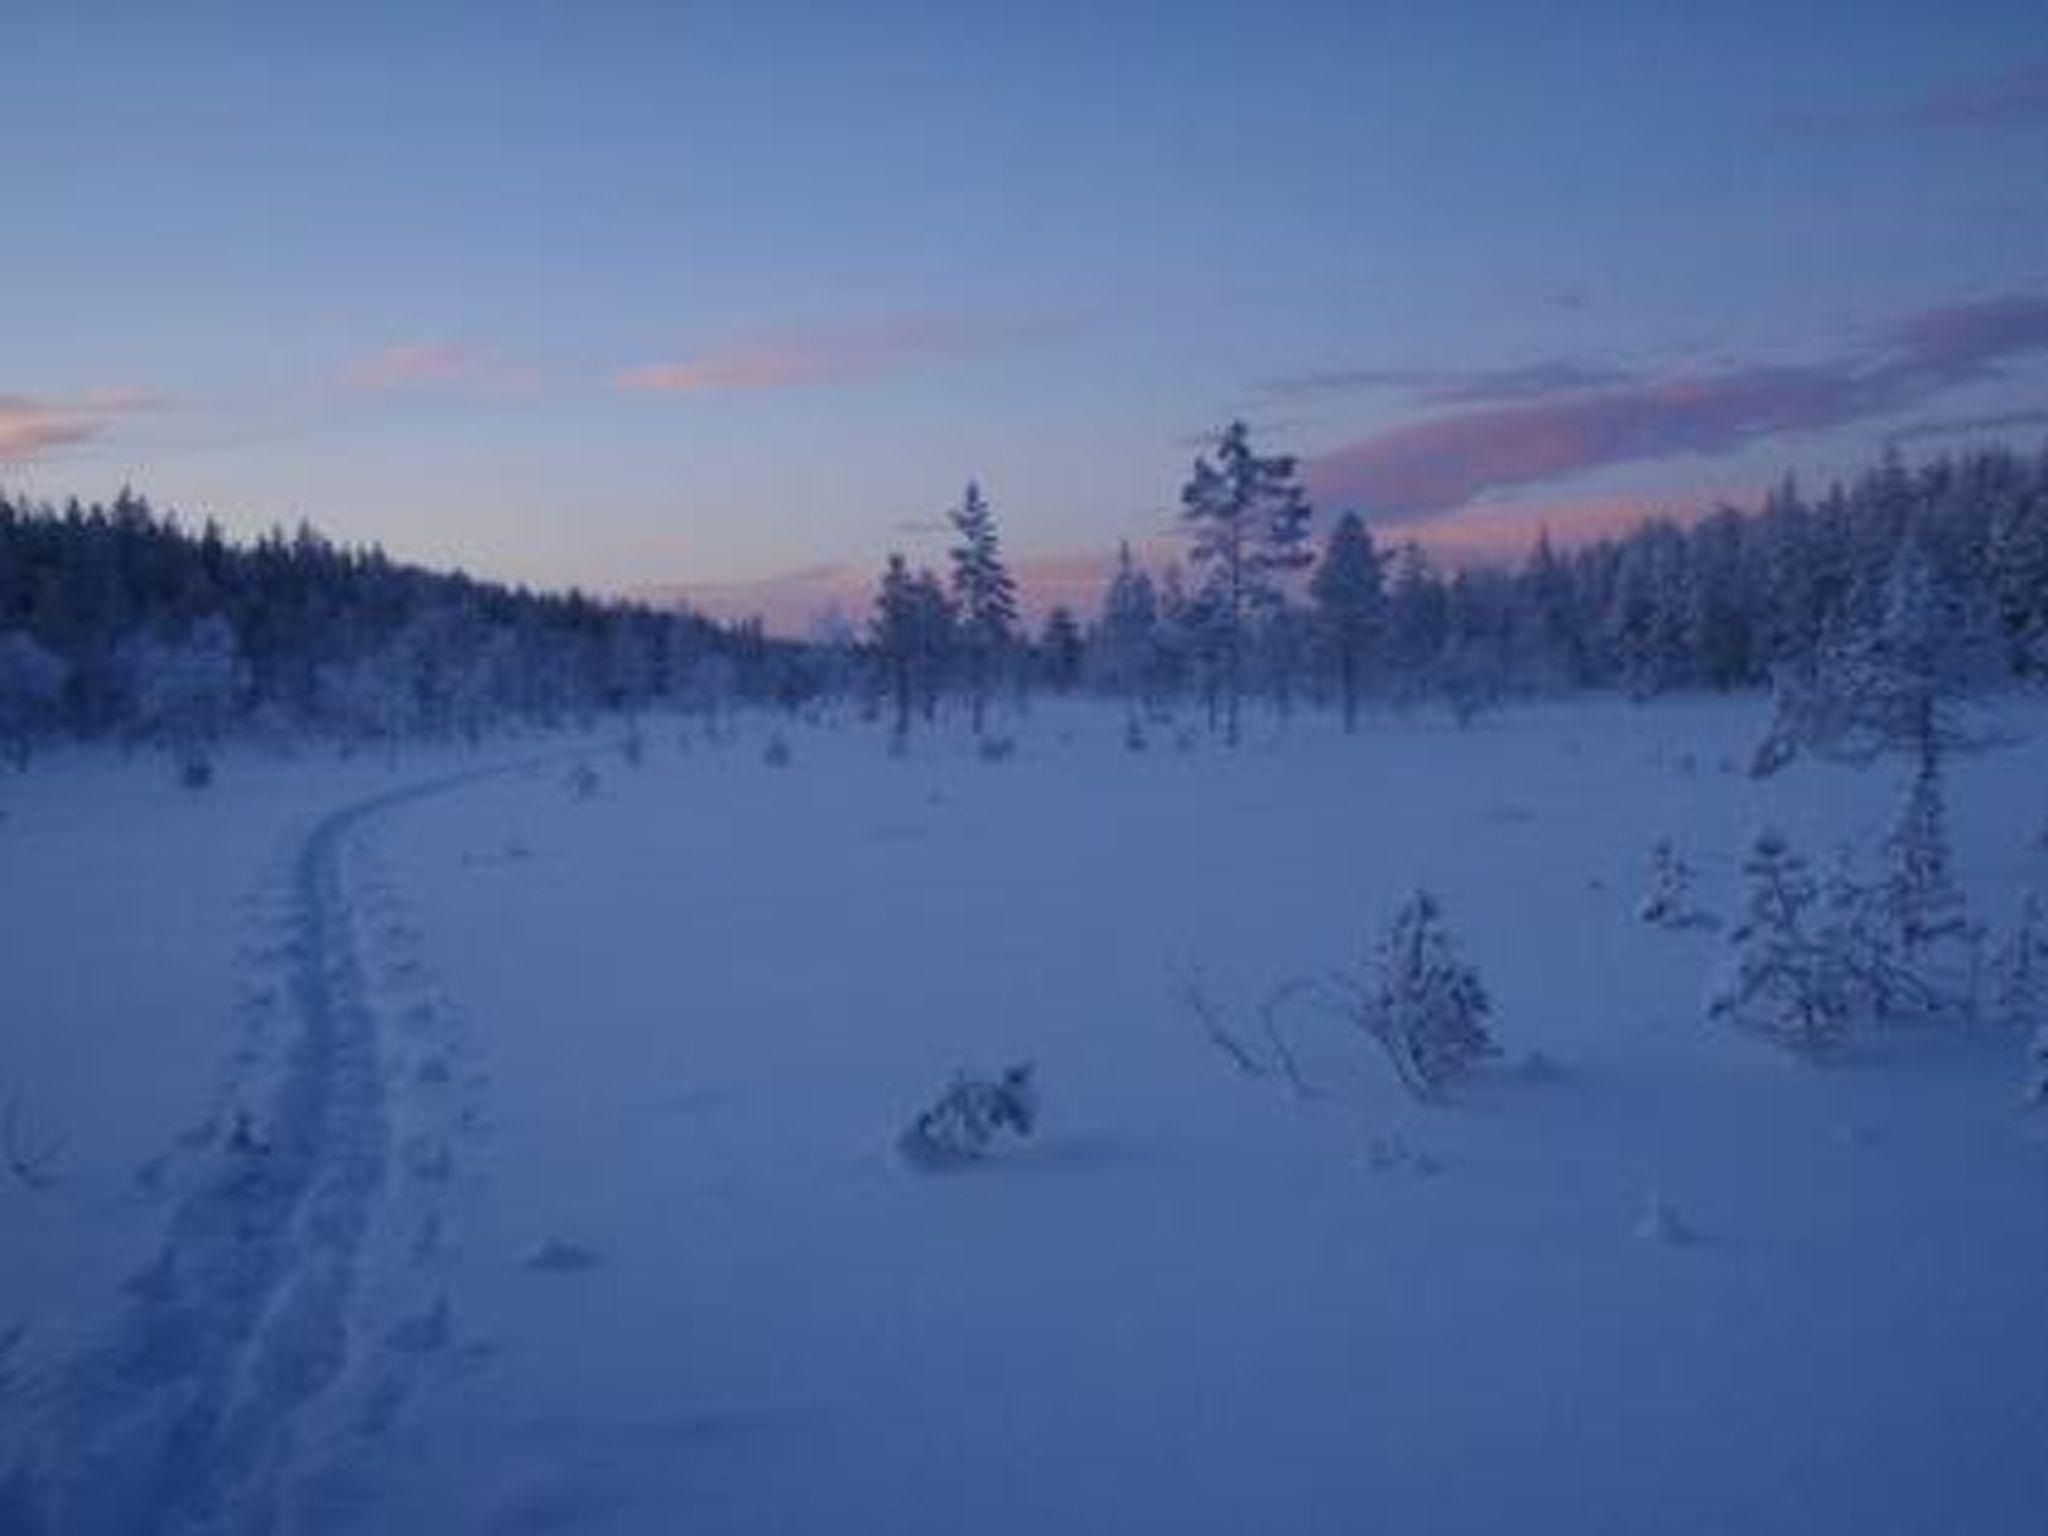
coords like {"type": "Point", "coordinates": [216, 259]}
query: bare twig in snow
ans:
{"type": "Point", "coordinates": [31, 1160]}
{"type": "Point", "coordinates": [1188, 988]}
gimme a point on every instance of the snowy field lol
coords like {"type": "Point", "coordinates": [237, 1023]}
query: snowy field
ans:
{"type": "Point", "coordinates": [443, 1150]}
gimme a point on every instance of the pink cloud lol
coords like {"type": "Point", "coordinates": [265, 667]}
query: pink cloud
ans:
{"type": "Point", "coordinates": [826, 354]}
{"type": "Point", "coordinates": [787, 602]}
{"type": "Point", "coordinates": [1506, 531]}
{"type": "Point", "coordinates": [31, 426]}
{"type": "Point", "coordinates": [2015, 98]}
{"type": "Point", "coordinates": [1422, 469]}
{"type": "Point", "coordinates": [435, 366]}
{"type": "Point", "coordinates": [1468, 386]}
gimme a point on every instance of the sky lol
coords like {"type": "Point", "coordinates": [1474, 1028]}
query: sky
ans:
{"type": "Point", "coordinates": [733, 300]}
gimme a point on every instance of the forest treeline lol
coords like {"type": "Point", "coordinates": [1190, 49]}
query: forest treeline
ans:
{"type": "Point", "coordinates": [117, 620]}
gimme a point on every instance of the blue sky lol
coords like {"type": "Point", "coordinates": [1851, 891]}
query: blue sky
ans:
{"type": "Point", "coordinates": [738, 297]}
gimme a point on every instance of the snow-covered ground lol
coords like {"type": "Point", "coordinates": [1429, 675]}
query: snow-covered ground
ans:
{"type": "Point", "coordinates": [571, 1204]}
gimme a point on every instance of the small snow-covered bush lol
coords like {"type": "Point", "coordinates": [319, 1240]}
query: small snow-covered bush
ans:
{"type": "Point", "coordinates": [965, 1121]}
{"type": "Point", "coordinates": [1788, 976]}
{"type": "Point", "coordinates": [1427, 1007]}
{"type": "Point", "coordinates": [996, 749]}
{"type": "Point", "coordinates": [1669, 903]}
{"type": "Point", "coordinates": [1416, 997]}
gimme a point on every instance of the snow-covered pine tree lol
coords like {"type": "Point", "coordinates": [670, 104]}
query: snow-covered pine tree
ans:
{"type": "Point", "coordinates": [1061, 649]}
{"type": "Point", "coordinates": [1127, 634]}
{"type": "Point", "coordinates": [31, 682]}
{"type": "Point", "coordinates": [2019, 969]}
{"type": "Point", "coordinates": [1917, 901]}
{"type": "Point", "coordinates": [895, 639]}
{"type": "Point", "coordinates": [1786, 979]}
{"type": "Point", "coordinates": [1426, 1006]}
{"type": "Point", "coordinates": [186, 690]}
{"type": "Point", "coordinates": [1249, 521]}
{"type": "Point", "coordinates": [985, 595]}
{"type": "Point", "coordinates": [1348, 590]}
{"type": "Point", "coordinates": [935, 626]}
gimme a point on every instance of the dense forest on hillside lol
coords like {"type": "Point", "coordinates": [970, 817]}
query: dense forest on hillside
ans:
{"type": "Point", "coordinates": [120, 621]}
{"type": "Point", "coordinates": [117, 620]}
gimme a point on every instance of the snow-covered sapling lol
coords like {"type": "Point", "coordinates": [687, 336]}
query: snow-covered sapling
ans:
{"type": "Point", "coordinates": [1917, 901]}
{"type": "Point", "coordinates": [1786, 978]}
{"type": "Point", "coordinates": [1669, 903]}
{"type": "Point", "coordinates": [964, 1122]}
{"type": "Point", "coordinates": [1425, 1006]}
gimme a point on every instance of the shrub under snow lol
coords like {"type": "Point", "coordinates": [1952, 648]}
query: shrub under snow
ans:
{"type": "Point", "coordinates": [963, 1124]}
{"type": "Point", "coordinates": [1426, 1006]}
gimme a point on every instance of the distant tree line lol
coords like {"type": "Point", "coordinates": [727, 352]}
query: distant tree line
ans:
{"type": "Point", "coordinates": [117, 622]}
{"type": "Point", "coordinates": [1736, 600]}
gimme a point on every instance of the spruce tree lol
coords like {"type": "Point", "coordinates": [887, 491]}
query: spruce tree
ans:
{"type": "Point", "coordinates": [1785, 980]}
{"type": "Point", "coordinates": [1917, 902]}
{"type": "Point", "coordinates": [895, 632]}
{"type": "Point", "coordinates": [985, 595]}
{"type": "Point", "coordinates": [1128, 634]}
{"type": "Point", "coordinates": [1349, 593]}
{"type": "Point", "coordinates": [1248, 519]}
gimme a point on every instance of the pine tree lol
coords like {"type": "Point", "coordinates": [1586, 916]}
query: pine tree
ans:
{"type": "Point", "coordinates": [1917, 901]}
{"type": "Point", "coordinates": [1786, 981]}
{"type": "Point", "coordinates": [1249, 522]}
{"type": "Point", "coordinates": [935, 627]}
{"type": "Point", "coordinates": [1349, 593]}
{"type": "Point", "coordinates": [1128, 634]}
{"type": "Point", "coordinates": [1427, 1007]}
{"type": "Point", "coordinates": [1062, 648]}
{"type": "Point", "coordinates": [985, 594]}
{"type": "Point", "coordinates": [896, 639]}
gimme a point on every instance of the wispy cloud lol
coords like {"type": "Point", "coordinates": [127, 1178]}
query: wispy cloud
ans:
{"type": "Point", "coordinates": [1425, 468]}
{"type": "Point", "coordinates": [1470, 386]}
{"type": "Point", "coordinates": [1968, 426]}
{"type": "Point", "coordinates": [2009, 99]}
{"type": "Point", "coordinates": [32, 426]}
{"type": "Point", "coordinates": [435, 366]}
{"type": "Point", "coordinates": [824, 354]}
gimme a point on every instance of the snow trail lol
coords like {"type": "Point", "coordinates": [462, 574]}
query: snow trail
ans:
{"type": "Point", "coordinates": [193, 1415]}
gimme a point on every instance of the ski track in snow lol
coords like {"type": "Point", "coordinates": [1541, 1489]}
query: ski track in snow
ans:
{"type": "Point", "coordinates": [297, 1293]}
